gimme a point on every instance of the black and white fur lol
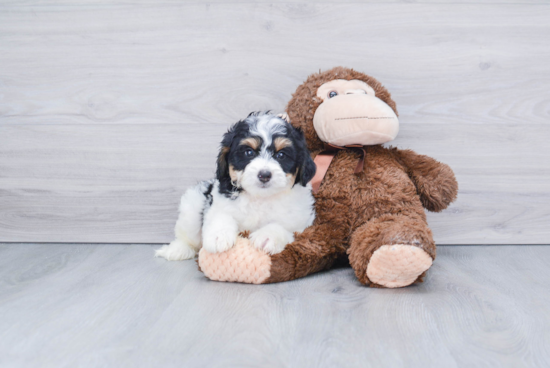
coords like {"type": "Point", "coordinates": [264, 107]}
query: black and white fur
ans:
{"type": "Point", "coordinates": [262, 185]}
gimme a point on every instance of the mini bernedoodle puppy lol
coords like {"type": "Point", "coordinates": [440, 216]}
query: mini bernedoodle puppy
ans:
{"type": "Point", "coordinates": [261, 186]}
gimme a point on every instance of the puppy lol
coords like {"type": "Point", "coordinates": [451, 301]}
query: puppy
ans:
{"type": "Point", "coordinates": [261, 186]}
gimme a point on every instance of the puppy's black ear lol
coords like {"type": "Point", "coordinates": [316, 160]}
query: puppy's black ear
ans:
{"type": "Point", "coordinates": [306, 168]}
{"type": "Point", "coordinates": [222, 169]}
{"type": "Point", "coordinates": [306, 171]}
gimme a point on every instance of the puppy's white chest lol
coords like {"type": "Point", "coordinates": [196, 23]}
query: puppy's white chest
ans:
{"type": "Point", "coordinates": [254, 214]}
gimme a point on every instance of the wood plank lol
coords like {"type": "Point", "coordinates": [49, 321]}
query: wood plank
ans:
{"type": "Point", "coordinates": [53, 3]}
{"type": "Point", "coordinates": [102, 183]}
{"type": "Point", "coordinates": [115, 305]}
{"type": "Point", "coordinates": [174, 63]}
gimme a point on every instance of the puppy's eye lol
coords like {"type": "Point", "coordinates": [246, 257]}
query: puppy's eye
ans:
{"type": "Point", "coordinates": [280, 155]}
{"type": "Point", "coordinates": [332, 94]}
{"type": "Point", "coordinates": [249, 152]}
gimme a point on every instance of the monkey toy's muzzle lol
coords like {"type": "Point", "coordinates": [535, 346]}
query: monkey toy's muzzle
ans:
{"type": "Point", "coordinates": [355, 119]}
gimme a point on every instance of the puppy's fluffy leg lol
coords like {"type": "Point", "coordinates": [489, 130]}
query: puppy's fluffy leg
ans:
{"type": "Point", "coordinates": [271, 238]}
{"type": "Point", "coordinates": [177, 250]}
{"type": "Point", "coordinates": [188, 226]}
{"type": "Point", "coordinates": [220, 231]}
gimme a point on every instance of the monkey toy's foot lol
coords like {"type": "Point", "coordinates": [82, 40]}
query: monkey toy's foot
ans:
{"type": "Point", "coordinates": [397, 265]}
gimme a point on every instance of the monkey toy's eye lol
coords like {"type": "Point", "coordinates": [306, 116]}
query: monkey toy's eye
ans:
{"type": "Point", "coordinates": [279, 155]}
{"type": "Point", "coordinates": [332, 94]}
{"type": "Point", "coordinates": [249, 152]}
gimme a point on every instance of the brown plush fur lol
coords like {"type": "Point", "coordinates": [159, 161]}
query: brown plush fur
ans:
{"type": "Point", "coordinates": [358, 213]}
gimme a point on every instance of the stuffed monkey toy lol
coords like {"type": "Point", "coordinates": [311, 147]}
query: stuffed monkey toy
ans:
{"type": "Point", "coordinates": [370, 199]}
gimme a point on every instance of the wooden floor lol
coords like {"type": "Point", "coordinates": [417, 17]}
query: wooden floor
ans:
{"type": "Point", "coordinates": [69, 305]}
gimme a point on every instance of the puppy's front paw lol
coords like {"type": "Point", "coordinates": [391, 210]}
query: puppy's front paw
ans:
{"type": "Point", "coordinates": [271, 240]}
{"type": "Point", "coordinates": [220, 240]}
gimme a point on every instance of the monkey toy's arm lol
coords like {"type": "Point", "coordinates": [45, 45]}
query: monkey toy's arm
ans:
{"type": "Point", "coordinates": [435, 182]}
{"type": "Point", "coordinates": [314, 250]}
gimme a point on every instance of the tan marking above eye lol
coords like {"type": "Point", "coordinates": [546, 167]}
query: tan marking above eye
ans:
{"type": "Point", "coordinates": [253, 142]}
{"type": "Point", "coordinates": [281, 142]}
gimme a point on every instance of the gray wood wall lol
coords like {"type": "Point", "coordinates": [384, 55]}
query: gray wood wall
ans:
{"type": "Point", "coordinates": [110, 109]}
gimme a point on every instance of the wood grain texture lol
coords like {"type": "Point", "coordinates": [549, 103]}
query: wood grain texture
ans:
{"type": "Point", "coordinates": [201, 63]}
{"type": "Point", "coordinates": [299, 2]}
{"type": "Point", "coordinates": [109, 110]}
{"type": "Point", "coordinates": [106, 183]}
{"type": "Point", "coordinates": [66, 305]}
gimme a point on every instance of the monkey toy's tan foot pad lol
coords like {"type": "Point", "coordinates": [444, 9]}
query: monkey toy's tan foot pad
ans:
{"type": "Point", "coordinates": [397, 265]}
{"type": "Point", "coordinates": [242, 263]}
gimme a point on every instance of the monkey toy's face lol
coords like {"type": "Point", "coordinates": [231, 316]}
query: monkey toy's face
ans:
{"type": "Point", "coordinates": [352, 114]}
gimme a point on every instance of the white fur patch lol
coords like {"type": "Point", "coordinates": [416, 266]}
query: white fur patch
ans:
{"type": "Point", "coordinates": [188, 228]}
{"type": "Point", "coordinates": [266, 127]}
{"type": "Point", "coordinates": [272, 238]}
{"type": "Point", "coordinates": [271, 219]}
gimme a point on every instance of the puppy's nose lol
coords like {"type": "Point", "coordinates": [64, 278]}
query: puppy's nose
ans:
{"type": "Point", "coordinates": [264, 176]}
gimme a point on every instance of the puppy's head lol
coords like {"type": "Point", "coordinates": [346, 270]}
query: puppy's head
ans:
{"type": "Point", "coordinates": [263, 155]}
